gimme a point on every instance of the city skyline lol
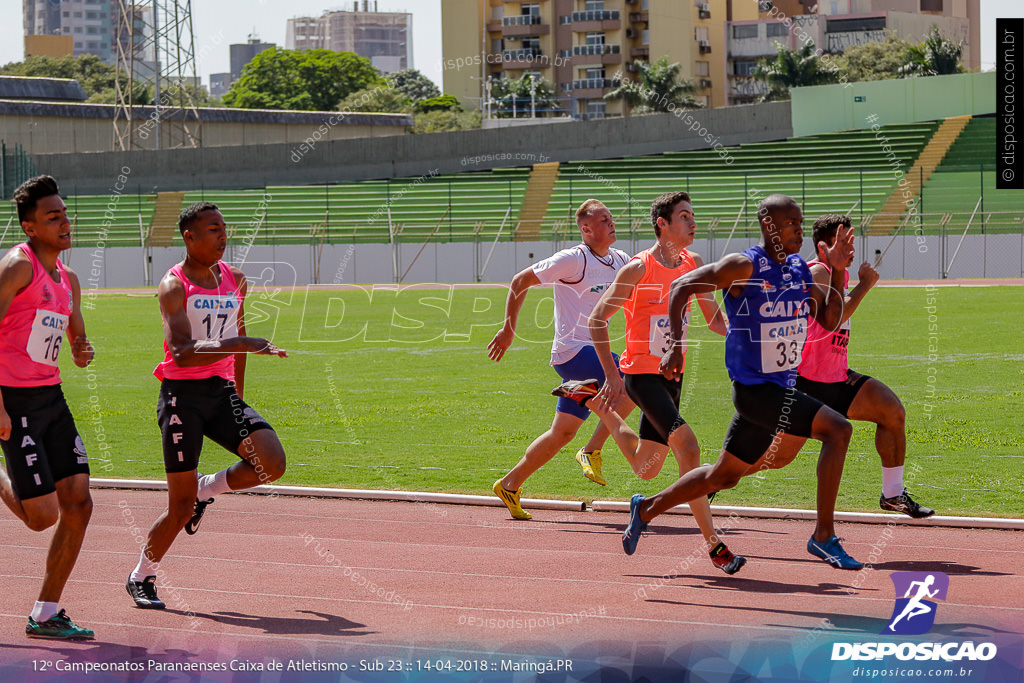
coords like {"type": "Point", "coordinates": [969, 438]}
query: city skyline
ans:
{"type": "Point", "coordinates": [216, 27]}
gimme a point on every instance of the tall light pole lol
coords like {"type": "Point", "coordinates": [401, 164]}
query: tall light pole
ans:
{"type": "Point", "coordinates": [155, 46]}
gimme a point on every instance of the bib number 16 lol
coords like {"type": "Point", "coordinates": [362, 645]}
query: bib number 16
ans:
{"type": "Point", "coordinates": [46, 336]}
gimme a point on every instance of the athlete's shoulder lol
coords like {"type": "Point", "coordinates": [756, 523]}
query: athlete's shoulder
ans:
{"type": "Point", "coordinates": [236, 272]}
{"type": "Point", "coordinates": [621, 256]}
{"type": "Point", "coordinates": [172, 281]}
{"type": "Point", "coordinates": [575, 251]}
{"type": "Point", "coordinates": [634, 269]}
{"type": "Point", "coordinates": [16, 268]}
{"type": "Point", "coordinates": [72, 275]}
{"type": "Point", "coordinates": [16, 257]}
{"type": "Point", "coordinates": [797, 262]}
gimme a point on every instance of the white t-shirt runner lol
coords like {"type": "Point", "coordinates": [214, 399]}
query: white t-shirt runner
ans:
{"type": "Point", "coordinates": [580, 278]}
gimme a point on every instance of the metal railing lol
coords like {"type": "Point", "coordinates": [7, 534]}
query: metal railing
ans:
{"type": "Point", "coordinates": [591, 15]}
{"type": "Point", "coordinates": [592, 83]}
{"type": "Point", "coordinates": [587, 50]}
{"type": "Point", "coordinates": [959, 228]}
{"type": "Point", "coordinates": [522, 20]}
{"type": "Point", "coordinates": [521, 54]}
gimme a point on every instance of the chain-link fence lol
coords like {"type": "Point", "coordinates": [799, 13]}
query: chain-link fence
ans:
{"type": "Point", "coordinates": [15, 168]}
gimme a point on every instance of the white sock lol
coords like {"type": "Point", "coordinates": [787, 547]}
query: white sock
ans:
{"type": "Point", "coordinates": [44, 611]}
{"type": "Point", "coordinates": [892, 481]}
{"type": "Point", "coordinates": [145, 567]}
{"type": "Point", "coordinates": [211, 485]}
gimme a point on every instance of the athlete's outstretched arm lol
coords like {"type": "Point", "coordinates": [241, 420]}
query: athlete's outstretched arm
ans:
{"type": "Point", "coordinates": [713, 313]}
{"type": "Point", "coordinates": [81, 350]}
{"type": "Point", "coordinates": [867, 276]}
{"type": "Point", "coordinates": [523, 280]}
{"type": "Point", "coordinates": [721, 274]}
{"type": "Point", "coordinates": [608, 305]}
{"type": "Point", "coordinates": [15, 275]}
{"type": "Point", "coordinates": [189, 352]}
{"type": "Point", "coordinates": [243, 289]}
{"type": "Point", "coordinates": [827, 304]}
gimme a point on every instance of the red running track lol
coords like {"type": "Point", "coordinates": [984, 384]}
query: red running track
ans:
{"type": "Point", "coordinates": [299, 578]}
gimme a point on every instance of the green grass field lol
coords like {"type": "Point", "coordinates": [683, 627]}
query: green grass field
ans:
{"type": "Point", "coordinates": [395, 390]}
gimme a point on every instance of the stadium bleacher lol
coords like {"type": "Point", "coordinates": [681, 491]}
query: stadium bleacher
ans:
{"type": "Point", "coordinates": [968, 172]}
{"type": "Point", "coordinates": [826, 173]}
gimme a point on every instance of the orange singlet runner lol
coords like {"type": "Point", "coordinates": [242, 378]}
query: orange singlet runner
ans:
{"type": "Point", "coordinates": [646, 310]}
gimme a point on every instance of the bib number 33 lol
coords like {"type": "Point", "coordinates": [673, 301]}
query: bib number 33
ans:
{"type": "Point", "coordinates": [782, 345]}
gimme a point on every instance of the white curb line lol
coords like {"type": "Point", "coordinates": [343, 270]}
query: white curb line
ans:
{"type": "Point", "coordinates": [578, 506]}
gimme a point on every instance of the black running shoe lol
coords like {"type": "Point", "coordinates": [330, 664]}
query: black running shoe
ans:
{"type": "Point", "coordinates": [905, 504]}
{"type": "Point", "coordinates": [144, 593]}
{"type": "Point", "coordinates": [192, 526]}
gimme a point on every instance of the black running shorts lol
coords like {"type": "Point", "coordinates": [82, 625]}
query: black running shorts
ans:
{"type": "Point", "coordinates": [189, 409]}
{"type": "Point", "coordinates": [762, 410]}
{"type": "Point", "coordinates": [658, 399]}
{"type": "Point", "coordinates": [836, 395]}
{"type": "Point", "coordinates": [44, 446]}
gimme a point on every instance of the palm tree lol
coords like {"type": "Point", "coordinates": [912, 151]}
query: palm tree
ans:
{"type": "Point", "coordinates": [658, 89]}
{"type": "Point", "coordinates": [791, 69]}
{"type": "Point", "coordinates": [934, 56]}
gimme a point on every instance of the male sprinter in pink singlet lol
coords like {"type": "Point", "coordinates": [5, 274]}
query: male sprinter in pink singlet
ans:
{"type": "Point", "coordinates": [201, 391]}
{"type": "Point", "coordinates": [641, 289]}
{"type": "Point", "coordinates": [825, 374]}
{"type": "Point", "coordinates": [47, 480]}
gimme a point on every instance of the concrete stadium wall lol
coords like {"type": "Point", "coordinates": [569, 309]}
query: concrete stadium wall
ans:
{"type": "Point", "coordinates": [295, 163]}
{"type": "Point", "coordinates": [909, 257]}
{"type": "Point", "coordinates": [826, 108]}
{"type": "Point", "coordinates": [44, 128]}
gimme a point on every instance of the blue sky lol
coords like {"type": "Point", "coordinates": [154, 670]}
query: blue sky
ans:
{"type": "Point", "coordinates": [218, 23]}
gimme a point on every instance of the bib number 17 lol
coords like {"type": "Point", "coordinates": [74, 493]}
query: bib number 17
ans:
{"type": "Point", "coordinates": [211, 323]}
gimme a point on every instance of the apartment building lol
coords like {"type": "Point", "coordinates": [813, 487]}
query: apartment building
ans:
{"type": "Point", "coordinates": [585, 47]}
{"type": "Point", "coordinates": [385, 38]}
{"type": "Point", "coordinates": [56, 28]}
{"type": "Point", "coordinates": [836, 25]}
{"type": "Point", "coordinates": [91, 24]}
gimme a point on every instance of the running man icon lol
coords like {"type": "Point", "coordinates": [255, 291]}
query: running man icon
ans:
{"type": "Point", "coordinates": [921, 588]}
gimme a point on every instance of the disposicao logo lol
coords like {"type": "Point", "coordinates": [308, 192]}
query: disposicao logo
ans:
{"type": "Point", "coordinates": [914, 612]}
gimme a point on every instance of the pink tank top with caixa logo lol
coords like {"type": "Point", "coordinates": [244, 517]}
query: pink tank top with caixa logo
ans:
{"type": "Point", "coordinates": [213, 315]}
{"type": "Point", "coordinates": [32, 331]}
{"type": "Point", "coordinates": [825, 353]}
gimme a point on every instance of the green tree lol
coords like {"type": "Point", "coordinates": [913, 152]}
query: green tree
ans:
{"type": "Point", "coordinates": [791, 69]}
{"type": "Point", "coordinates": [94, 75]}
{"type": "Point", "coordinates": [315, 80]}
{"type": "Point", "coordinates": [440, 121]}
{"type": "Point", "coordinates": [658, 88]}
{"type": "Point", "coordinates": [442, 103]}
{"type": "Point", "coordinates": [517, 98]}
{"type": "Point", "coordinates": [144, 94]}
{"type": "Point", "coordinates": [414, 85]}
{"type": "Point", "coordinates": [934, 56]}
{"type": "Point", "coordinates": [377, 99]}
{"type": "Point", "coordinates": [874, 61]}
